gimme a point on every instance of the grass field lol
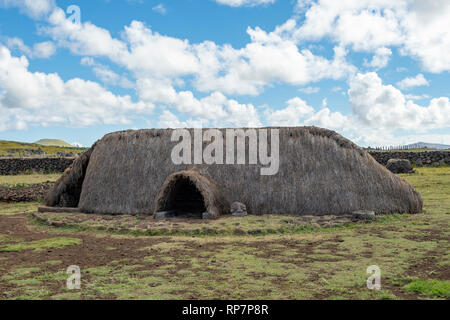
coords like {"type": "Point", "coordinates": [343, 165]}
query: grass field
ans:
{"type": "Point", "coordinates": [412, 252]}
{"type": "Point", "coordinates": [23, 179]}
{"type": "Point", "coordinates": [13, 148]}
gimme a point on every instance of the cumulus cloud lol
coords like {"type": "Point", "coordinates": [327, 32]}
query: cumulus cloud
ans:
{"type": "Point", "coordinates": [418, 27]}
{"type": "Point", "coordinates": [106, 75]}
{"type": "Point", "coordinates": [299, 113]}
{"type": "Point", "coordinates": [215, 109]}
{"type": "Point", "coordinates": [416, 97]}
{"type": "Point", "coordinates": [378, 112]}
{"type": "Point", "coordinates": [33, 8]}
{"type": "Point", "coordinates": [29, 98]}
{"type": "Point", "coordinates": [385, 107]}
{"type": "Point", "coordinates": [168, 119]}
{"type": "Point", "coordinates": [411, 82]}
{"type": "Point", "coordinates": [293, 115]}
{"type": "Point", "coordinates": [42, 50]}
{"type": "Point", "coordinates": [240, 3]}
{"type": "Point", "coordinates": [84, 39]}
{"type": "Point", "coordinates": [246, 71]}
{"type": "Point", "coordinates": [380, 58]}
{"type": "Point", "coordinates": [213, 67]}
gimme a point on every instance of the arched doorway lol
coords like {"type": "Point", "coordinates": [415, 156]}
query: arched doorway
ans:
{"type": "Point", "coordinates": [190, 194]}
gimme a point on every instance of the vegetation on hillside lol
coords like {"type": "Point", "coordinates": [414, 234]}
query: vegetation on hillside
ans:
{"type": "Point", "coordinates": [23, 149]}
{"type": "Point", "coordinates": [54, 143]}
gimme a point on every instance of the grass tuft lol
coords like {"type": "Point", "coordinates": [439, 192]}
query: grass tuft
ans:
{"type": "Point", "coordinates": [431, 288]}
{"type": "Point", "coordinates": [50, 243]}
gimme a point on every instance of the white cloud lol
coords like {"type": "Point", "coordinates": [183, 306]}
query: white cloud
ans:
{"type": "Point", "coordinates": [42, 50]}
{"type": "Point", "coordinates": [84, 39]}
{"type": "Point", "coordinates": [246, 71]}
{"type": "Point", "coordinates": [214, 68]}
{"type": "Point", "coordinates": [33, 8]}
{"type": "Point", "coordinates": [106, 75]}
{"type": "Point", "coordinates": [385, 107]}
{"type": "Point", "coordinates": [169, 120]}
{"type": "Point", "coordinates": [215, 109]}
{"type": "Point", "coordinates": [418, 27]}
{"type": "Point", "coordinates": [160, 9]}
{"type": "Point", "coordinates": [77, 144]}
{"type": "Point", "coordinates": [240, 3]}
{"type": "Point", "coordinates": [293, 115]}
{"type": "Point", "coordinates": [416, 97]}
{"type": "Point", "coordinates": [309, 90]}
{"type": "Point", "coordinates": [411, 82]}
{"type": "Point", "coordinates": [45, 99]}
{"type": "Point", "coordinates": [298, 113]}
{"type": "Point", "coordinates": [365, 25]}
{"type": "Point", "coordinates": [378, 113]}
{"type": "Point", "coordinates": [380, 58]}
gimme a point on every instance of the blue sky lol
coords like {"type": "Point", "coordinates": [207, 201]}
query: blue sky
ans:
{"type": "Point", "coordinates": [376, 72]}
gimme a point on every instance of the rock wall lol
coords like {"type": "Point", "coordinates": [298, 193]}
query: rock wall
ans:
{"type": "Point", "coordinates": [32, 192]}
{"type": "Point", "coordinates": [422, 158]}
{"type": "Point", "coordinates": [13, 166]}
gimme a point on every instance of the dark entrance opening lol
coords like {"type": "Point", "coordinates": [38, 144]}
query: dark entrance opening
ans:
{"type": "Point", "coordinates": [184, 200]}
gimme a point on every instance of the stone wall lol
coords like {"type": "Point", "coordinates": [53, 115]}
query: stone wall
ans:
{"type": "Point", "coordinates": [12, 166]}
{"type": "Point", "coordinates": [422, 158]}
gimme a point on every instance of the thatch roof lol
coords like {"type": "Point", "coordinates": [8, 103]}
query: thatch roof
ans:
{"type": "Point", "coordinates": [320, 172]}
{"type": "Point", "coordinates": [67, 189]}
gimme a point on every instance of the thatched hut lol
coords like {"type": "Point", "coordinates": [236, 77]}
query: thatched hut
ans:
{"type": "Point", "coordinates": [319, 173]}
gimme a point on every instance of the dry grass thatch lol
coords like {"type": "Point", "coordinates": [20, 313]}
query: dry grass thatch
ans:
{"type": "Point", "coordinates": [67, 189]}
{"type": "Point", "coordinates": [320, 173]}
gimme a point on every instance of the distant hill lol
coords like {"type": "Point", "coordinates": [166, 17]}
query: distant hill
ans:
{"type": "Point", "coordinates": [421, 145]}
{"type": "Point", "coordinates": [23, 149]}
{"type": "Point", "coordinates": [54, 143]}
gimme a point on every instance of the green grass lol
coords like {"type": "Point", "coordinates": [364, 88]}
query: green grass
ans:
{"type": "Point", "coordinates": [50, 243]}
{"type": "Point", "coordinates": [13, 148]}
{"type": "Point", "coordinates": [431, 288]}
{"type": "Point", "coordinates": [13, 208]}
{"type": "Point", "coordinates": [22, 179]}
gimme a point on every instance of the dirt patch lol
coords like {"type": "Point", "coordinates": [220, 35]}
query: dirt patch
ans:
{"type": "Point", "coordinates": [427, 268]}
{"type": "Point", "coordinates": [24, 193]}
{"type": "Point", "coordinates": [88, 254]}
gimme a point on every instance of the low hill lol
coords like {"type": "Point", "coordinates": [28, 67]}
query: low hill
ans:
{"type": "Point", "coordinates": [427, 145]}
{"type": "Point", "coordinates": [54, 143]}
{"type": "Point", "coordinates": [23, 149]}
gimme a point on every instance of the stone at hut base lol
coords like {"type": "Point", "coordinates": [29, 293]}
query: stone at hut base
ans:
{"type": "Point", "coordinates": [238, 209]}
{"type": "Point", "coordinates": [165, 214]}
{"type": "Point", "coordinates": [363, 215]}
